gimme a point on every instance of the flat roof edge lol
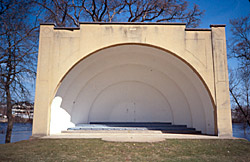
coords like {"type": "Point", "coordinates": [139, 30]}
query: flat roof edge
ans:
{"type": "Point", "coordinates": [67, 28]}
{"type": "Point", "coordinates": [134, 23]}
{"type": "Point", "coordinates": [217, 25]}
{"type": "Point", "coordinates": [48, 23]}
{"type": "Point", "coordinates": [197, 29]}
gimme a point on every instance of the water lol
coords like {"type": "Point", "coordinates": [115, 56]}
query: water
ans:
{"type": "Point", "coordinates": [23, 131]}
{"type": "Point", "coordinates": [238, 131]}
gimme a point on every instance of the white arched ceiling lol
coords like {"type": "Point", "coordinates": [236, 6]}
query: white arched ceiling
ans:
{"type": "Point", "coordinates": [132, 83]}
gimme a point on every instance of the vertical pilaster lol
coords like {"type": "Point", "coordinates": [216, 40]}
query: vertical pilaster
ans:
{"type": "Point", "coordinates": [224, 121]}
{"type": "Point", "coordinates": [41, 111]}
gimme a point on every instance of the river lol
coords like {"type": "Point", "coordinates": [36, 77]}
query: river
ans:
{"type": "Point", "coordinates": [23, 131]}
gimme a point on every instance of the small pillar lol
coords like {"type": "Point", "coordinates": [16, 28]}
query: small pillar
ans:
{"type": "Point", "coordinates": [222, 98]}
{"type": "Point", "coordinates": [42, 108]}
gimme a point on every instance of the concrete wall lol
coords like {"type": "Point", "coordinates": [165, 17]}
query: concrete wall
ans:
{"type": "Point", "coordinates": [133, 72]}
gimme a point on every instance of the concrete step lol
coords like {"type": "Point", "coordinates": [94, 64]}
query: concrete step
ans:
{"type": "Point", "coordinates": [155, 123]}
{"type": "Point", "coordinates": [182, 131]}
{"type": "Point", "coordinates": [100, 127]}
{"type": "Point", "coordinates": [133, 126]}
{"type": "Point", "coordinates": [133, 131]}
{"type": "Point", "coordinates": [114, 131]}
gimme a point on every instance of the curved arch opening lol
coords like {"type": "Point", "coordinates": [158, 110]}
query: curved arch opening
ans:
{"type": "Point", "coordinates": [132, 83]}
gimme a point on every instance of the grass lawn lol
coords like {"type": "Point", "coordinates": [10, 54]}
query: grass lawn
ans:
{"type": "Point", "coordinates": [98, 150]}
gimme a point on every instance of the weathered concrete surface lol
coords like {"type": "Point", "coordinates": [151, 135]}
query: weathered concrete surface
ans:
{"type": "Point", "coordinates": [131, 136]}
{"type": "Point", "coordinates": [132, 72]}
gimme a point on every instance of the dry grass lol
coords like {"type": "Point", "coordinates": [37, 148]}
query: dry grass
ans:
{"type": "Point", "coordinates": [98, 150]}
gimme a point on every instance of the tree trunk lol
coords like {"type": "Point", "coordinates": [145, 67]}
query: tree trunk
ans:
{"type": "Point", "coordinates": [9, 115]}
{"type": "Point", "coordinates": [240, 107]}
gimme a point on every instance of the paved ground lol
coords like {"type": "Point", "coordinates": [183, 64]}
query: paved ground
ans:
{"type": "Point", "coordinates": [131, 136]}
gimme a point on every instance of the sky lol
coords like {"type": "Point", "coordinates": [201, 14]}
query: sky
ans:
{"type": "Point", "coordinates": [220, 12]}
{"type": "Point", "coordinates": [217, 12]}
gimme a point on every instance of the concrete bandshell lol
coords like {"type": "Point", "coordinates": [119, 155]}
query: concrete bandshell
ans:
{"type": "Point", "coordinates": [188, 69]}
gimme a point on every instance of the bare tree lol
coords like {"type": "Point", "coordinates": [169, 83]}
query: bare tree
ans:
{"type": "Point", "coordinates": [240, 93]}
{"type": "Point", "coordinates": [19, 37]}
{"type": "Point", "coordinates": [241, 40]}
{"type": "Point", "coordinates": [160, 10]}
{"type": "Point", "coordinates": [240, 80]}
{"type": "Point", "coordinates": [17, 54]}
{"type": "Point", "coordinates": [71, 12]}
{"type": "Point", "coordinates": [61, 12]}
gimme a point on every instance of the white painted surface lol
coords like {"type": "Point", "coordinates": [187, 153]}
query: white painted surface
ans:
{"type": "Point", "coordinates": [61, 119]}
{"type": "Point", "coordinates": [132, 83]}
